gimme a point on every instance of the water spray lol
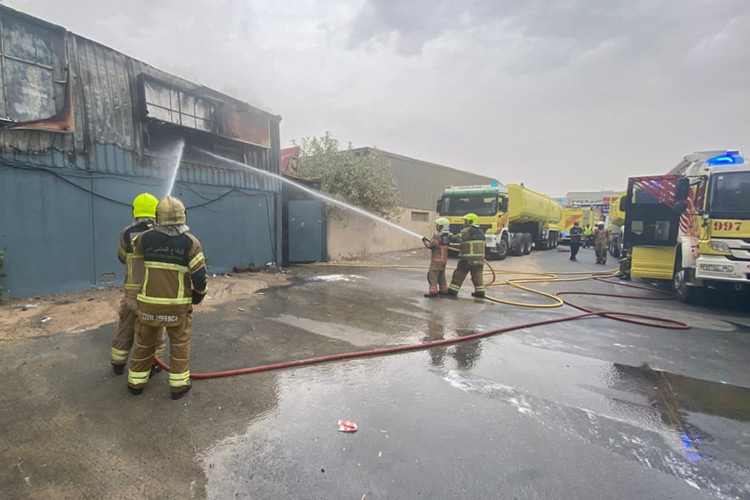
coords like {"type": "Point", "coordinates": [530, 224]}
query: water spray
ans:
{"type": "Point", "coordinates": [315, 193]}
{"type": "Point", "coordinates": [177, 156]}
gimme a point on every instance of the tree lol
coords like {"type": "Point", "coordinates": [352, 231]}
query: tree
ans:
{"type": "Point", "coordinates": [355, 179]}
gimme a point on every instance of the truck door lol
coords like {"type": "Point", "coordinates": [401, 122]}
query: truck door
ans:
{"type": "Point", "coordinates": [652, 226]}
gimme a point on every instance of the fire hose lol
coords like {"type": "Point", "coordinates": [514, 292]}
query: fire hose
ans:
{"type": "Point", "coordinates": [519, 283]}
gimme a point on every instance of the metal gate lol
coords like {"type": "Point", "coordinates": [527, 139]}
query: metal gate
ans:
{"type": "Point", "coordinates": [306, 231]}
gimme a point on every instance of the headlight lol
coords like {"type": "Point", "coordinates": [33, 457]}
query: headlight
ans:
{"type": "Point", "coordinates": [720, 246]}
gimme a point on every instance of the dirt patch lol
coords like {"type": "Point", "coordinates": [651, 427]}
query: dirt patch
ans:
{"type": "Point", "coordinates": [82, 311]}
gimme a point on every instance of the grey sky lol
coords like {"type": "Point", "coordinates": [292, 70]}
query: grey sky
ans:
{"type": "Point", "coordinates": [562, 95]}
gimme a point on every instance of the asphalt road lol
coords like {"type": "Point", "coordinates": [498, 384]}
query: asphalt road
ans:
{"type": "Point", "coordinates": [587, 410]}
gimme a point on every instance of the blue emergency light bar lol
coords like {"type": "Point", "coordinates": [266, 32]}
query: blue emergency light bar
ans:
{"type": "Point", "coordinates": [731, 158]}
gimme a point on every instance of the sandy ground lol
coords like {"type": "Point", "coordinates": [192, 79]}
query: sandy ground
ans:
{"type": "Point", "coordinates": [83, 311]}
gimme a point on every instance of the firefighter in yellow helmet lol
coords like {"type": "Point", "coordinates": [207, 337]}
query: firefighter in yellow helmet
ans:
{"type": "Point", "coordinates": [175, 280]}
{"type": "Point", "coordinates": [439, 245]}
{"type": "Point", "coordinates": [144, 218]}
{"type": "Point", "coordinates": [471, 259]}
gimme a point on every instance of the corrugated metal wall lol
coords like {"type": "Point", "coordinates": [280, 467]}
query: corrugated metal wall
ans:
{"type": "Point", "coordinates": [65, 196]}
{"type": "Point", "coordinates": [420, 182]}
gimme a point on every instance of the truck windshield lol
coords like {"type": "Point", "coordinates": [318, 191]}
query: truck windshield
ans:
{"type": "Point", "coordinates": [484, 205]}
{"type": "Point", "coordinates": [730, 195]}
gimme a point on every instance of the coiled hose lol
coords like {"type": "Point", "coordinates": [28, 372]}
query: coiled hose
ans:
{"type": "Point", "coordinates": [519, 283]}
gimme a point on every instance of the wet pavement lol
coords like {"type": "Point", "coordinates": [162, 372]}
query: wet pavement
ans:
{"type": "Point", "coordinates": [587, 409]}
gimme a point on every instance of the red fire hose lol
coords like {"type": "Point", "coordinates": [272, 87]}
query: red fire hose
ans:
{"type": "Point", "coordinates": [638, 319]}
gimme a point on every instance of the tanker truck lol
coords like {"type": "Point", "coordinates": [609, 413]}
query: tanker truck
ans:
{"type": "Point", "coordinates": [515, 219]}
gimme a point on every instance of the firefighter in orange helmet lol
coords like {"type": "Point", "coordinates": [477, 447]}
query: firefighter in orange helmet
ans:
{"type": "Point", "coordinates": [144, 218]}
{"type": "Point", "coordinates": [175, 281]}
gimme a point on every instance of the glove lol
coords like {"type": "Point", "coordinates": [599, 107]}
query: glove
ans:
{"type": "Point", "coordinates": [426, 241]}
{"type": "Point", "coordinates": [197, 297]}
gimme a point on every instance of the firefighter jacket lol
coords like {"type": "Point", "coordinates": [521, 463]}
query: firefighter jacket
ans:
{"type": "Point", "coordinates": [175, 273]}
{"type": "Point", "coordinates": [472, 245]}
{"type": "Point", "coordinates": [134, 270]}
{"type": "Point", "coordinates": [601, 237]}
{"type": "Point", "coordinates": [439, 246]}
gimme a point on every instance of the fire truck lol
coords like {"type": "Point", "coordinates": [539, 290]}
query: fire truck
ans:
{"type": "Point", "coordinates": [515, 219]}
{"type": "Point", "coordinates": [691, 226]}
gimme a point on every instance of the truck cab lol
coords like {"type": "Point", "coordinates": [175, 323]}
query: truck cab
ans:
{"type": "Point", "coordinates": [693, 225]}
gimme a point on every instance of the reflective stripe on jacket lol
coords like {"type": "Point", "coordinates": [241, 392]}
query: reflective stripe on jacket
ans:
{"type": "Point", "coordinates": [472, 245]}
{"type": "Point", "coordinates": [134, 269]}
{"type": "Point", "coordinates": [174, 268]}
{"type": "Point", "coordinates": [439, 246]}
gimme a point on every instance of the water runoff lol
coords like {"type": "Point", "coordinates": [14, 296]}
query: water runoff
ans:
{"type": "Point", "coordinates": [312, 192]}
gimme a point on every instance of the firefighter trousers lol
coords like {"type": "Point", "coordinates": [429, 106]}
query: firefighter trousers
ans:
{"type": "Point", "coordinates": [123, 341]}
{"type": "Point", "coordinates": [459, 275]}
{"type": "Point", "coordinates": [179, 352]}
{"type": "Point", "coordinates": [436, 278]}
{"type": "Point", "coordinates": [601, 252]}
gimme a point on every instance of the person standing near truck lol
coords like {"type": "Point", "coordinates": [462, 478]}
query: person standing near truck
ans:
{"type": "Point", "coordinates": [575, 240]}
{"type": "Point", "coordinates": [601, 243]}
{"type": "Point", "coordinates": [588, 236]}
{"type": "Point", "coordinates": [471, 259]}
{"type": "Point", "coordinates": [439, 245]}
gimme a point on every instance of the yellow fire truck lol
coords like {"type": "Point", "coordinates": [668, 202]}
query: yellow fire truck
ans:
{"type": "Point", "coordinates": [691, 226]}
{"type": "Point", "coordinates": [514, 218]}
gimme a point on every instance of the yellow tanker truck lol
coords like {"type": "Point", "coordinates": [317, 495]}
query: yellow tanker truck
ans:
{"type": "Point", "coordinates": [515, 219]}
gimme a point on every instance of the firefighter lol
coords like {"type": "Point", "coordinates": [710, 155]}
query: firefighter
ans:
{"type": "Point", "coordinates": [175, 281]}
{"type": "Point", "coordinates": [471, 259]}
{"type": "Point", "coordinates": [601, 243]}
{"type": "Point", "coordinates": [144, 218]}
{"type": "Point", "coordinates": [439, 244]}
{"type": "Point", "coordinates": [575, 240]}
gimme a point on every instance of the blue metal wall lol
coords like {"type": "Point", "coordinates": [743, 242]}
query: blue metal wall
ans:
{"type": "Point", "coordinates": [60, 237]}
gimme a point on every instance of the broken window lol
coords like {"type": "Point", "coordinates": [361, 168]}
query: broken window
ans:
{"type": "Point", "coordinates": [31, 70]}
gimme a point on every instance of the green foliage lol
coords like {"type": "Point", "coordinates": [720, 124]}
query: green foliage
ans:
{"type": "Point", "coordinates": [358, 180]}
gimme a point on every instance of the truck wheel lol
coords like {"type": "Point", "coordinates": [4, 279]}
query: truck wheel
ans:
{"type": "Point", "coordinates": [527, 243]}
{"type": "Point", "coordinates": [516, 244]}
{"type": "Point", "coordinates": [684, 292]}
{"type": "Point", "coordinates": [502, 248]}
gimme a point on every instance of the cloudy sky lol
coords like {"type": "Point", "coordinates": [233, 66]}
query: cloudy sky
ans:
{"type": "Point", "coordinates": [560, 94]}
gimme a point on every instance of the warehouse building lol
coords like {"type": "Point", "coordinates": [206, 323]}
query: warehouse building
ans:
{"type": "Point", "coordinates": [84, 129]}
{"type": "Point", "coordinates": [420, 183]}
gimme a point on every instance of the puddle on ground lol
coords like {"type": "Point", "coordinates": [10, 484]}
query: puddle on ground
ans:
{"type": "Point", "coordinates": [651, 408]}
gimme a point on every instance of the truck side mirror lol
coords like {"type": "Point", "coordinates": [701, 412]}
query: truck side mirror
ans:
{"type": "Point", "coordinates": [624, 202]}
{"type": "Point", "coordinates": [682, 189]}
{"type": "Point", "coordinates": [503, 204]}
{"type": "Point", "coordinates": [439, 204]}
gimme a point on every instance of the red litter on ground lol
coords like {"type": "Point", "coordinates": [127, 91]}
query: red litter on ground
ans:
{"type": "Point", "coordinates": [347, 426]}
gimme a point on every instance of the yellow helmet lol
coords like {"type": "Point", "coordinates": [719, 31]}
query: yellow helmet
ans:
{"type": "Point", "coordinates": [170, 212]}
{"type": "Point", "coordinates": [471, 219]}
{"type": "Point", "coordinates": [144, 205]}
{"type": "Point", "coordinates": [442, 222]}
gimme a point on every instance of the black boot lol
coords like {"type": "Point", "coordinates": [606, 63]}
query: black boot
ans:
{"type": "Point", "coordinates": [118, 369]}
{"type": "Point", "coordinates": [479, 295]}
{"type": "Point", "coordinates": [135, 392]}
{"type": "Point", "coordinates": [431, 295]}
{"type": "Point", "coordinates": [178, 395]}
